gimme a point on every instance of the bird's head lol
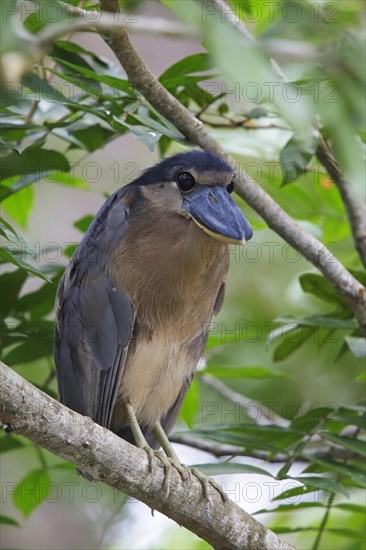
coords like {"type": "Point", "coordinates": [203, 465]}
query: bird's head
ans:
{"type": "Point", "coordinates": [197, 185]}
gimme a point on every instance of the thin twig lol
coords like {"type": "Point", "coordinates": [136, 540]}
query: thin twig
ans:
{"type": "Point", "coordinates": [267, 416]}
{"type": "Point", "coordinates": [324, 522]}
{"type": "Point", "coordinates": [356, 209]}
{"type": "Point", "coordinates": [329, 451]}
{"type": "Point", "coordinates": [246, 123]}
{"type": "Point", "coordinates": [136, 24]}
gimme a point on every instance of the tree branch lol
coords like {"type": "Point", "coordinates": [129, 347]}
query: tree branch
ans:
{"type": "Point", "coordinates": [267, 416]}
{"type": "Point", "coordinates": [356, 210]}
{"type": "Point", "coordinates": [316, 252]}
{"type": "Point", "coordinates": [221, 449]}
{"type": "Point", "coordinates": [151, 25]}
{"type": "Point", "coordinates": [108, 458]}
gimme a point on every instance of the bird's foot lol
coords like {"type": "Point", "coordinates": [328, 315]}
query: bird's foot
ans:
{"type": "Point", "coordinates": [169, 465]}
{"type": "Point", "coordinates": [206, 482]}
{"type": "Point", "coordinates": [185, 473]}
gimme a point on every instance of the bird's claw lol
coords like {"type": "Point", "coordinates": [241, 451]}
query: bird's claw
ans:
{"type": "Point", "coordinates": [150, 455]}
{"type": "Point", "coordinates": [206, 482]}
{"type": "Point", "coordinates": [184, 472]}
{"type": "Point", "coordinates": [168, 464]}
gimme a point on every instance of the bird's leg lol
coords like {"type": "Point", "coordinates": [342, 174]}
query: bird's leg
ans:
{"type": "Point", "coordinates": [161, 436]}
{"type": "Point", "coordinates": [137, 434]}
{"type": "Point", "coordinates": [185, 472]}
{"type": "Point", "coordinates": [143, 444]}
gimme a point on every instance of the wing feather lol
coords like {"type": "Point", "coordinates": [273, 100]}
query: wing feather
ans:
{"type": "Point", "coordinates": [94, 319]}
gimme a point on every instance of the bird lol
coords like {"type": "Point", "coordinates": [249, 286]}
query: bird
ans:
{"type": "Point", "coordinates": [134, 305]}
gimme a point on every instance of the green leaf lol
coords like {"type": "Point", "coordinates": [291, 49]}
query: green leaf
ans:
{"type": "Point", "coordinates": [33, 160]}
{"type": "Point", "coordinates": [39, 343]}
{"type": "Point", "coordinates": [7, 256]}
{"type": "Point", "coordinates": [294, 161]}
{"type": "Point", "coordinates": [49, 12]}
{"type": "Point", "coordinates": [87, 86]}
{"type": "Point", "coordinates": [248, 435]}
{"type": "Point", "coordinates": [295, 492]}
{"type": "Point", "coordinates": [71, 47]}
{"type": "Point", "coordinates": [13, 185]}
{"type": "Point", "coordinates": [19, 206]}
{"type": "Point", "coordinates": [319, 287]}
{"type": "Point", "coordinates": [69, 180]}
{"type": "Point", "coordinates": [93, 137]}
{"type": "Point", "coordinates": [321, 484]}
{"type": "Point", "coordinates": [10, 283]}
{"type": "Point", "coordinates": [112, 81]}
{"type": "Point", "coordinates": [312, 484]}
{"type": "Point", "coordinates": [356, 345]}
{"type": "Point", "coordinates": [199, 62]}
{"type": "Point", "coordinates": [223, 468]}
{"type": "Point", "coordinates": [355, 445]}
{"type": "Point", "coordinates": [240, 372]}
{"type": "Point", "coordinates": [7, 231]}
{"type": "Point", "coordinates": [350, 507]}
{"type": "Point", "coordinates": [35, 21]}
{"type": "Point", "coordinates": [146, 135]}
{"type": "Point", "coordinates": [83, 223]}
{"type": "Point", "coordinates": [31, 491]}
{"type": "Point", "coordinates": [29, 352]}
{"type": "Point", "coordinates": [311, 419]}
{"type": "Point", "coordinates": [351, 417]}
{"type": "Point", "coordinates": [42, 301]}
{"type": "Point", "coordinates": [357, 475]}
{"type": "Point", "coordinates": [170, 131]}
{"type": "Point", "coordinates": [6, 520]}
{"type": "Point", "coordinates": [322, 321]}
{"type": "Point", "coordinates": [289, 346]}
{"type": "Point", "coordinates": [43, 89]}
{"type": "Point", "coordinates": [348, 533]}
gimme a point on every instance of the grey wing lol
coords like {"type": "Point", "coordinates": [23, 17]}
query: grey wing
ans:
{"type": "Point", "coordinates": [94, 320]}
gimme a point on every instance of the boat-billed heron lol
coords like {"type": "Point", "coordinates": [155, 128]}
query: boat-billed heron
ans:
{"type": "Point", "coordinates": [135, 303]}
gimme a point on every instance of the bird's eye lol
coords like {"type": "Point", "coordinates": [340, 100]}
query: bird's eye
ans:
{"type": "Point", "coordinates": [230, 187]}
{"type": "Point", "coordinates": [186, 181]}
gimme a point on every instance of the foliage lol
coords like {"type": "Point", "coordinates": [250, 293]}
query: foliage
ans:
{"type": "Point", "coordinates": [60, 99]}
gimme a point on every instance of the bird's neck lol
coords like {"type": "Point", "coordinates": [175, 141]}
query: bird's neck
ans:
{"type": "Point", "coordinates": [171, 271]}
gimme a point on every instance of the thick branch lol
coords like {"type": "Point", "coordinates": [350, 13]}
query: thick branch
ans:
{"type": "Point", "coordinates": [142, 80]}
{"type": "Point", "coordinates": [108, 458]}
